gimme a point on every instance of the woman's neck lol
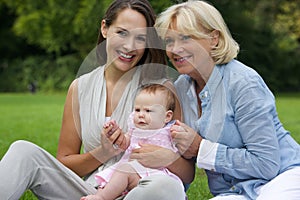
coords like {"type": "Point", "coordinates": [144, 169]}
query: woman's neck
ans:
{"type": "Point", "coordinates": [199, 85]}
{"type": "Point", "coordinates": [116, 82]}
{"type": "Point", "coordinates": [112, 75]}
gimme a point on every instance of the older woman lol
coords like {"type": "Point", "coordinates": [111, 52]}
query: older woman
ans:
{"type": "Point", "coordinates": [231, 123]}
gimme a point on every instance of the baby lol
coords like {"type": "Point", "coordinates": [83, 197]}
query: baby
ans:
{"type": "Point", "coordinates": [149, 123]}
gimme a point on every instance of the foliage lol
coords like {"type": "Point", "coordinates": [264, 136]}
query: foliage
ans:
{"type": "Point", "coordinates": [57, 26]}
{"type": "Point", "coordinates": [268, 32]}
{"type": "Point", "coordinates": [269, 37]}
{"type": "Point", "coordinates": [47, 73]}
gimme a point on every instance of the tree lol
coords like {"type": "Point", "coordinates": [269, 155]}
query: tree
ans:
{"type": "Point", "coordinates": [58, 26]}
{"type": "Point", "coordinates": [65, 31]}
{"type": "Point", "coordinates": [268, 34]}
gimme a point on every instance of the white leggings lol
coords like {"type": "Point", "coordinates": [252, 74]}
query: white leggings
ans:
{"type": "Point", "coordinates": [285, 186]}
{"type": "Point", "coordinates": [27, 166]}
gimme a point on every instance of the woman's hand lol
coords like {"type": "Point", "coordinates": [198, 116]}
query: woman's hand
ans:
{"type": "Point", "coordinates": [186, 139]}
{"type": "Point", "coordinates": [153, 156]}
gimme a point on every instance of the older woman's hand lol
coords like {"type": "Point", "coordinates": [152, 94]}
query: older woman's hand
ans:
{"type": "Point", "coordinates": [153, 156]}
{"type": "Point", "coordinates": [186, 139]}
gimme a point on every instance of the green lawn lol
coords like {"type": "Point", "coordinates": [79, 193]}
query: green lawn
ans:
{"type": "Point", "coordinates": [37, 118]}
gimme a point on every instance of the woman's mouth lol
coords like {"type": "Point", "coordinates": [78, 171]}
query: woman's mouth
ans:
{"type": "Point", "coordinates": [181, 59]}
{"type": "Point", "coordinates": [125, 56]}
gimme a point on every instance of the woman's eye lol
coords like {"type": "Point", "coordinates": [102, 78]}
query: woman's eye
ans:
{"type": "Point", "coordinates": [122, 33]}
{"type": "Point", "coordinates": [185, 37]}
{"type": "Point", "coordinates": [141, 38]}
{"type": "Point", "coordinates": [168, 41]}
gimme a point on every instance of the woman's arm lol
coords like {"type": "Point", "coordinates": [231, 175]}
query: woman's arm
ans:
{"type": "Point", "coordinates": [258, 155]}
{"type": "Point", "coordinates": [70, 140]}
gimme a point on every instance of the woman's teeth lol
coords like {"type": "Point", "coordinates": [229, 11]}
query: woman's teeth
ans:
{"type": "Point", "coordinates": [181, 59]}
{"type": "Point", "coordinates": [126, 55]}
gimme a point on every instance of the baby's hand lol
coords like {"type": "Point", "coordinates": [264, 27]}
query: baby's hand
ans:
{"type": "Point", "coordinates": [110, 127]}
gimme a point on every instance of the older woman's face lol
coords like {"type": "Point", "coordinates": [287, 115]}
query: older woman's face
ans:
{"type": "Point", "coordinates": [189, 55]}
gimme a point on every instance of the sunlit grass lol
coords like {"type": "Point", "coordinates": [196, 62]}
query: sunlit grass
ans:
{"type": "Point", "coordinates": [37, 118]}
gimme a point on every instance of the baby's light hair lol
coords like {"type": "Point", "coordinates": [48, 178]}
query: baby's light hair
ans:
{"type": "Point", "coordinates": [170, 97]}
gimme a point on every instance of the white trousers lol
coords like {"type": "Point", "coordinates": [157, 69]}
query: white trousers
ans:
{"type": "Point", "coordinates": [27, 166]}
{"type": "Point", "coordinates": [285, 186]}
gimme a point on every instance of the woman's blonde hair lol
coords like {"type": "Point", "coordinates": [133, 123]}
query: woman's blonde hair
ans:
{"type": "Point", "coordinates": [199, 19]}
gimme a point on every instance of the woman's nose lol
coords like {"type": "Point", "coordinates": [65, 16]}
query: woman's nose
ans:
{"type": "Point", "coordinates": [176, 47]}
{"type": "Point", "coordinates": [129, 44]}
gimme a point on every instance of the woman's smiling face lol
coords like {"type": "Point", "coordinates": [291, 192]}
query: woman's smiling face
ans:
{"type": "Point", "coordinates": [126, 39]}
{"type": "Point", "coordinates": [188, 54]}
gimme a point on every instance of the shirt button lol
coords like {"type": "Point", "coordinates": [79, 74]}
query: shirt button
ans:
{"type": "Point", "coordinates": [204, 95]}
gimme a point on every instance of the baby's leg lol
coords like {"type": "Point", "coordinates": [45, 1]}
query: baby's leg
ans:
{"type": "Point", "coordinates": [124, 178]}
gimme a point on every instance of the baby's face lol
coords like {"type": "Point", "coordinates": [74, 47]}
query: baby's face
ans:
{"type": "Point", "coordinates": [150, 110]}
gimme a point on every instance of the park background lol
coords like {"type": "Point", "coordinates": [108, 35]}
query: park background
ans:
{"type": "Point", "coordinates": [45, 41]}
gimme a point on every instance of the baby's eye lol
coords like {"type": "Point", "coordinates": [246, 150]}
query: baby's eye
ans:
{"type": "Point", "coordinates": [148, 110]}
{"type": "Point", "coordinates": [137, 110]}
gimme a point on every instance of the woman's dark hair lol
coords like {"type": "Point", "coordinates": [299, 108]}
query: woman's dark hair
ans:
{"type": "Point", "coordinates": [154, 52]}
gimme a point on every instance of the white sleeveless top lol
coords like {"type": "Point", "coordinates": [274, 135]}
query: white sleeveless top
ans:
{"type": "Point", "coordinates": [92, 107]}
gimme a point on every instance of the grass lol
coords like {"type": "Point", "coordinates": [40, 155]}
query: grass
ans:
{"type": "Point", "coordinates": [37, 118]}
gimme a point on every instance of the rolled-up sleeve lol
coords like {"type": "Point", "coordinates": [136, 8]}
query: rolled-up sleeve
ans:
{"type": "Point", "coordinates": [207, 155]}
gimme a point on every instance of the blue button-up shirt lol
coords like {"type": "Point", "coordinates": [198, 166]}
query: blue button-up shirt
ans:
{"type": "Point", "coordinates": [246, 145]}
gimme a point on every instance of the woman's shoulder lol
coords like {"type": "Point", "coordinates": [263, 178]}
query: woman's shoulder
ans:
{"type": "Point", "coordinates": [238, 68]}
{"type": "Point", "coordinates": [182, 81]}
{"type": "Point", "coordinates": [236, 73]}
{"type": "Point", "coordinates": [92, 73]}
{"type": "Point", "coordinates": [239, 77]}
{"type": "Point", "coordinates": [183, 78]}
{"type": "Point", "coordinates": [86, 83]}
{"type": "Point", "coordinates": [90, 77]}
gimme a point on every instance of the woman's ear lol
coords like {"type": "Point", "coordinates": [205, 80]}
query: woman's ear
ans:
{"type": "Point", "coordinates": [169, 116]}
{"type": "Point", "coordinates": [214, 38]}
{"type": "Point", "coordinates": [103, 29]}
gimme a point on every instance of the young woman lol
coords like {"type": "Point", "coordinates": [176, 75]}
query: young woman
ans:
{"type": "Point", "coordinates": [232, 125]}
{"type": "Point", "coordinates": [104, 93]}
